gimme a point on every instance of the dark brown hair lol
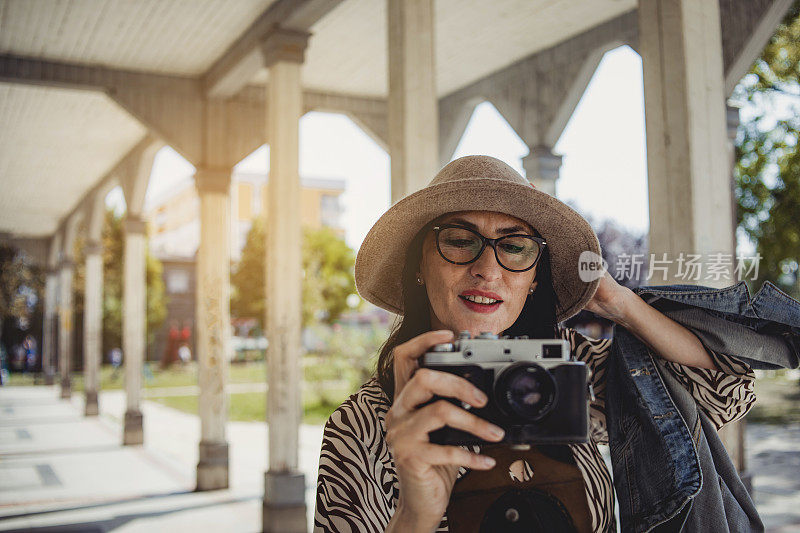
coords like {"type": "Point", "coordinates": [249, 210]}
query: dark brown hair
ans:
{"type": "Point", "coordinates": [536, 320]}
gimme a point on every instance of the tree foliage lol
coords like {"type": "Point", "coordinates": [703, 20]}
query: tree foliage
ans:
{"type": "Point", "coordinates": [21, 286]}
{"type": "Point", "coordinates": [328, 270]}
{"type": "Point", "coordinates": [328, 277]}
{"type": "Point", "coordinates": [113, 257]}
{"type": "Point", "coordinates": [767, 168]}
{"type": "Point", "coordinates": [247, 279]}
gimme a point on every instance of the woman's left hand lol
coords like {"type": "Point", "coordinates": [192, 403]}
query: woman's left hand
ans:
{"type": "Point", "coordinates": [610, 300]}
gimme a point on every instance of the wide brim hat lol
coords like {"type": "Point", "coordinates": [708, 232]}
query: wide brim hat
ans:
{"type": "Point", "coordinates": [480, 183]}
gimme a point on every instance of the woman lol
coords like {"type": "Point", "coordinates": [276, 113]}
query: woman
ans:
{"type": "Point", "coordinates": [436, 258]}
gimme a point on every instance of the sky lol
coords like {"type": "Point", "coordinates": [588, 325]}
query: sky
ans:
{"type": "Point", "coordinates": [604, 170]}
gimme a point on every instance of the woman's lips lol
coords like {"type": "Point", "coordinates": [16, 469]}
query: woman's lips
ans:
{"type": "Point", "coordinates": [480, 308]}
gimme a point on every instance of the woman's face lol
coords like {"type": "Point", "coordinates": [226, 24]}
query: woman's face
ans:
{"type": "Point", "coordinates": [448, 284]}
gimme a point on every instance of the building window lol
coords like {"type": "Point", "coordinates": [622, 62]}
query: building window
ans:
{"type": "Point", "coordinates": [177, 281]}
{"type": "Point", "coordinates": [330, 210]}
{"type": "Point", "coordinates": [245, 201]}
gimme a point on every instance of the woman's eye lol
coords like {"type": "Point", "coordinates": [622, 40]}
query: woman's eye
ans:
{"type": "Point", "coordinates": [459, 243]}
{"type": "Point", "coordinates": [512, 249]}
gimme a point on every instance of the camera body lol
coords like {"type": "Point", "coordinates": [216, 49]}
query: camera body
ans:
{"type": "Point", "coordinates": [537, 394]}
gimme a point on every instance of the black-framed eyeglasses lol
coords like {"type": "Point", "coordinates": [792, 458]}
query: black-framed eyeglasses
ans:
{"type": "Point", "coordinates": [461, 245]}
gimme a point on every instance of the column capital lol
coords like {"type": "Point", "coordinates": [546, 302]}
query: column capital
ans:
{"type": "Point", "coordinates": [93, 247]}
{"type": "Point", "coordinates": [213, 179]}
{"type": "Point", "coordinates": [732, 120]}
{"type": "Point", "coordinates": [134, 224]}
{"type": "Point", "coordinates": [542, 164]}
{"type": "Point", "coordinates": [283, 44]}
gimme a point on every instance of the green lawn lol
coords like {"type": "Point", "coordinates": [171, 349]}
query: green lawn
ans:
{"type": "Point", "coordinates": [252, 406]}
{"type": "Point", "coordinates": [318, 402]}
{"type": "Point", "coordinates": [175, 376]}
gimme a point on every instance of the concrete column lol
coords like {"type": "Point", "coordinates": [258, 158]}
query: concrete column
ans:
{"type": "Point", "coordinates": [134, 338]}
{"type": "Point", "coordinates": [733, 435]}
{"type": "Point", "coordinates": [284, 508]}
{"type": "Point", "coordinates": [687, 158]}
{"type": "Point", "coordinates": [92, 324]}
{"type": "Point", "coordinates": [66, 271]}
{"type": "Point", "coordinates": [49, 348]}
{"type": "Point", "coordinates": [413, 103]}
{"type": "Point", "coordinates": [542, 168]}
{"type": "Point", "coordinates": [732, 123]}
{"type": "Point", "coordinates": [213, 324]}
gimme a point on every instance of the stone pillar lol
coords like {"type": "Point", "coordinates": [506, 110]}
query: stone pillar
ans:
{"type": "Point", "coordinates": [66, 271]}
{"type": "Point", "coordinates": [413, 102]}
{"type": "Point", "coordinates": [542, 168]}
{"type": "Point", "coordinates": [92, 324]}
{"type": "Point", "coordinates": [732, 122]}
{"type": "Point", "coordinates": [687, 158]}
{"type": "Point", "coordinates": [49, 348]}
{"type": "Point", "coordinates": [733, 435]}
{"type": "Point", "coordinates": [134, 325]}
{"type": "Point", "coordinates": [213, 324]}
{"type": "Point", "coordinates": [284, 508]}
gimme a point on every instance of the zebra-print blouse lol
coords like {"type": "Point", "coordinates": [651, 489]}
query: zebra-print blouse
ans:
{"type": "Point", "coordinates": [357, 488]}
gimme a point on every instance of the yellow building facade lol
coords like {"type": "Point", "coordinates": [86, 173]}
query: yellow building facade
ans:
{"type": "Point", "coordinates": [174, 216]}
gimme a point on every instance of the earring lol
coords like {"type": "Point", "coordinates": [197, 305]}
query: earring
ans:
{"type": "Point", "coordinates": [419, 280]}
{"type": "Point", "coordinates": [530, 291]}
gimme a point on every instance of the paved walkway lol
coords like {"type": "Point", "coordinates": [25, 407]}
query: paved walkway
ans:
{"type": "Point", "coordinates": [773, 455]}
{"type": "Point", "coordinates": [60, 471]}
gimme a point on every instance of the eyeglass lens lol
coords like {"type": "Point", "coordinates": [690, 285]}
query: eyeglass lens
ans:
{"type": "Point", "coordinates": [461, 245]}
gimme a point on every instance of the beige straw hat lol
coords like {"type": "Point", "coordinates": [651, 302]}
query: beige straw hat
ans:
{"type": "Point", "coordinates": [480, 182]}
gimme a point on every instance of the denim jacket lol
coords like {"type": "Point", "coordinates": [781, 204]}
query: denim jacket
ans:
{"type": "Point", "coordinates": [671, 471]}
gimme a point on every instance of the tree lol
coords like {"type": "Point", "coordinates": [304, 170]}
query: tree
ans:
{"type": "Point", "coordinates": [113, 257]}
{"type": "Point", "coordinates": [328, 277]}
{"type": "Point", "coordinates": [621, 250]}
{"type": "Point", "coordinates": [767, 171]}
{"type": "Point", "coordinates": [21, 286]}
{"type": "Point", "coordinates": [247, 280]}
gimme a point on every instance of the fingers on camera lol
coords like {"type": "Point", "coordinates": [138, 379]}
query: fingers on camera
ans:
{"type": "Point", "coordinates": [434, 382]}
{"type": "Point", "coordinates": [443, 413]}
{"type": "Point", "coordinates": [413, 348]}
{"type": "Point", "coordinates": [454, 455]}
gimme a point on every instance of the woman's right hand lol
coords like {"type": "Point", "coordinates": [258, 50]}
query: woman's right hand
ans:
{"type": "Point", "coordinates": [426, 472]}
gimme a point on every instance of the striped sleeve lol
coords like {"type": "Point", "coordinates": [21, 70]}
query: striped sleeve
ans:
{"type": "Point", "coordinates": [593, 352]}
{"type": "Point", "coordinates": [724, 395]}
{"type": "Point", "coordinates": [598, 484]}
{"type": "Point", "coordinates": [355, 492]}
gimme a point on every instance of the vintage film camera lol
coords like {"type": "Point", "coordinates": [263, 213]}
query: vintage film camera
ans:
{"type": "Point", "coordinates": [537, 394]}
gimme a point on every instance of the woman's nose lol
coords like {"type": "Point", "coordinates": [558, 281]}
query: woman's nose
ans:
{"type": "Point", "coordinates": [486, 266]}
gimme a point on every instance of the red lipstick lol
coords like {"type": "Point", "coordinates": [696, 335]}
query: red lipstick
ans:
{"type": "Point", "coordinates": [480, 308]}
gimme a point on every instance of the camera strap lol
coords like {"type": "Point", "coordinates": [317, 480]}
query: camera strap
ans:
{"type": "Point", "coordinates": [485, 501]}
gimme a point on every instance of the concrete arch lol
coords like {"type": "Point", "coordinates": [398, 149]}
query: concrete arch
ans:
{"type": "Point", "coordinates": [575, 91]}
{"type": "Point", "coordinates": [454, 116]}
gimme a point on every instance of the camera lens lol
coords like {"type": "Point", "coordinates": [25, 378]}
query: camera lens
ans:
{"type": "Point", "coordinates": [525, 390]}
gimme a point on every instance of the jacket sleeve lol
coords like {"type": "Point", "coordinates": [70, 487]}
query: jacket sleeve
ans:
{"type": "Point", "coordinates": [351, 491]}
{"type": "Point", "coordinates": [723, 395]}
{"type": "Point", "coordinates": [593, 352]}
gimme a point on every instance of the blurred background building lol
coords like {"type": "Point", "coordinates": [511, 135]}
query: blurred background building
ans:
{"type": "Point", "coordinates": [174, 235]}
